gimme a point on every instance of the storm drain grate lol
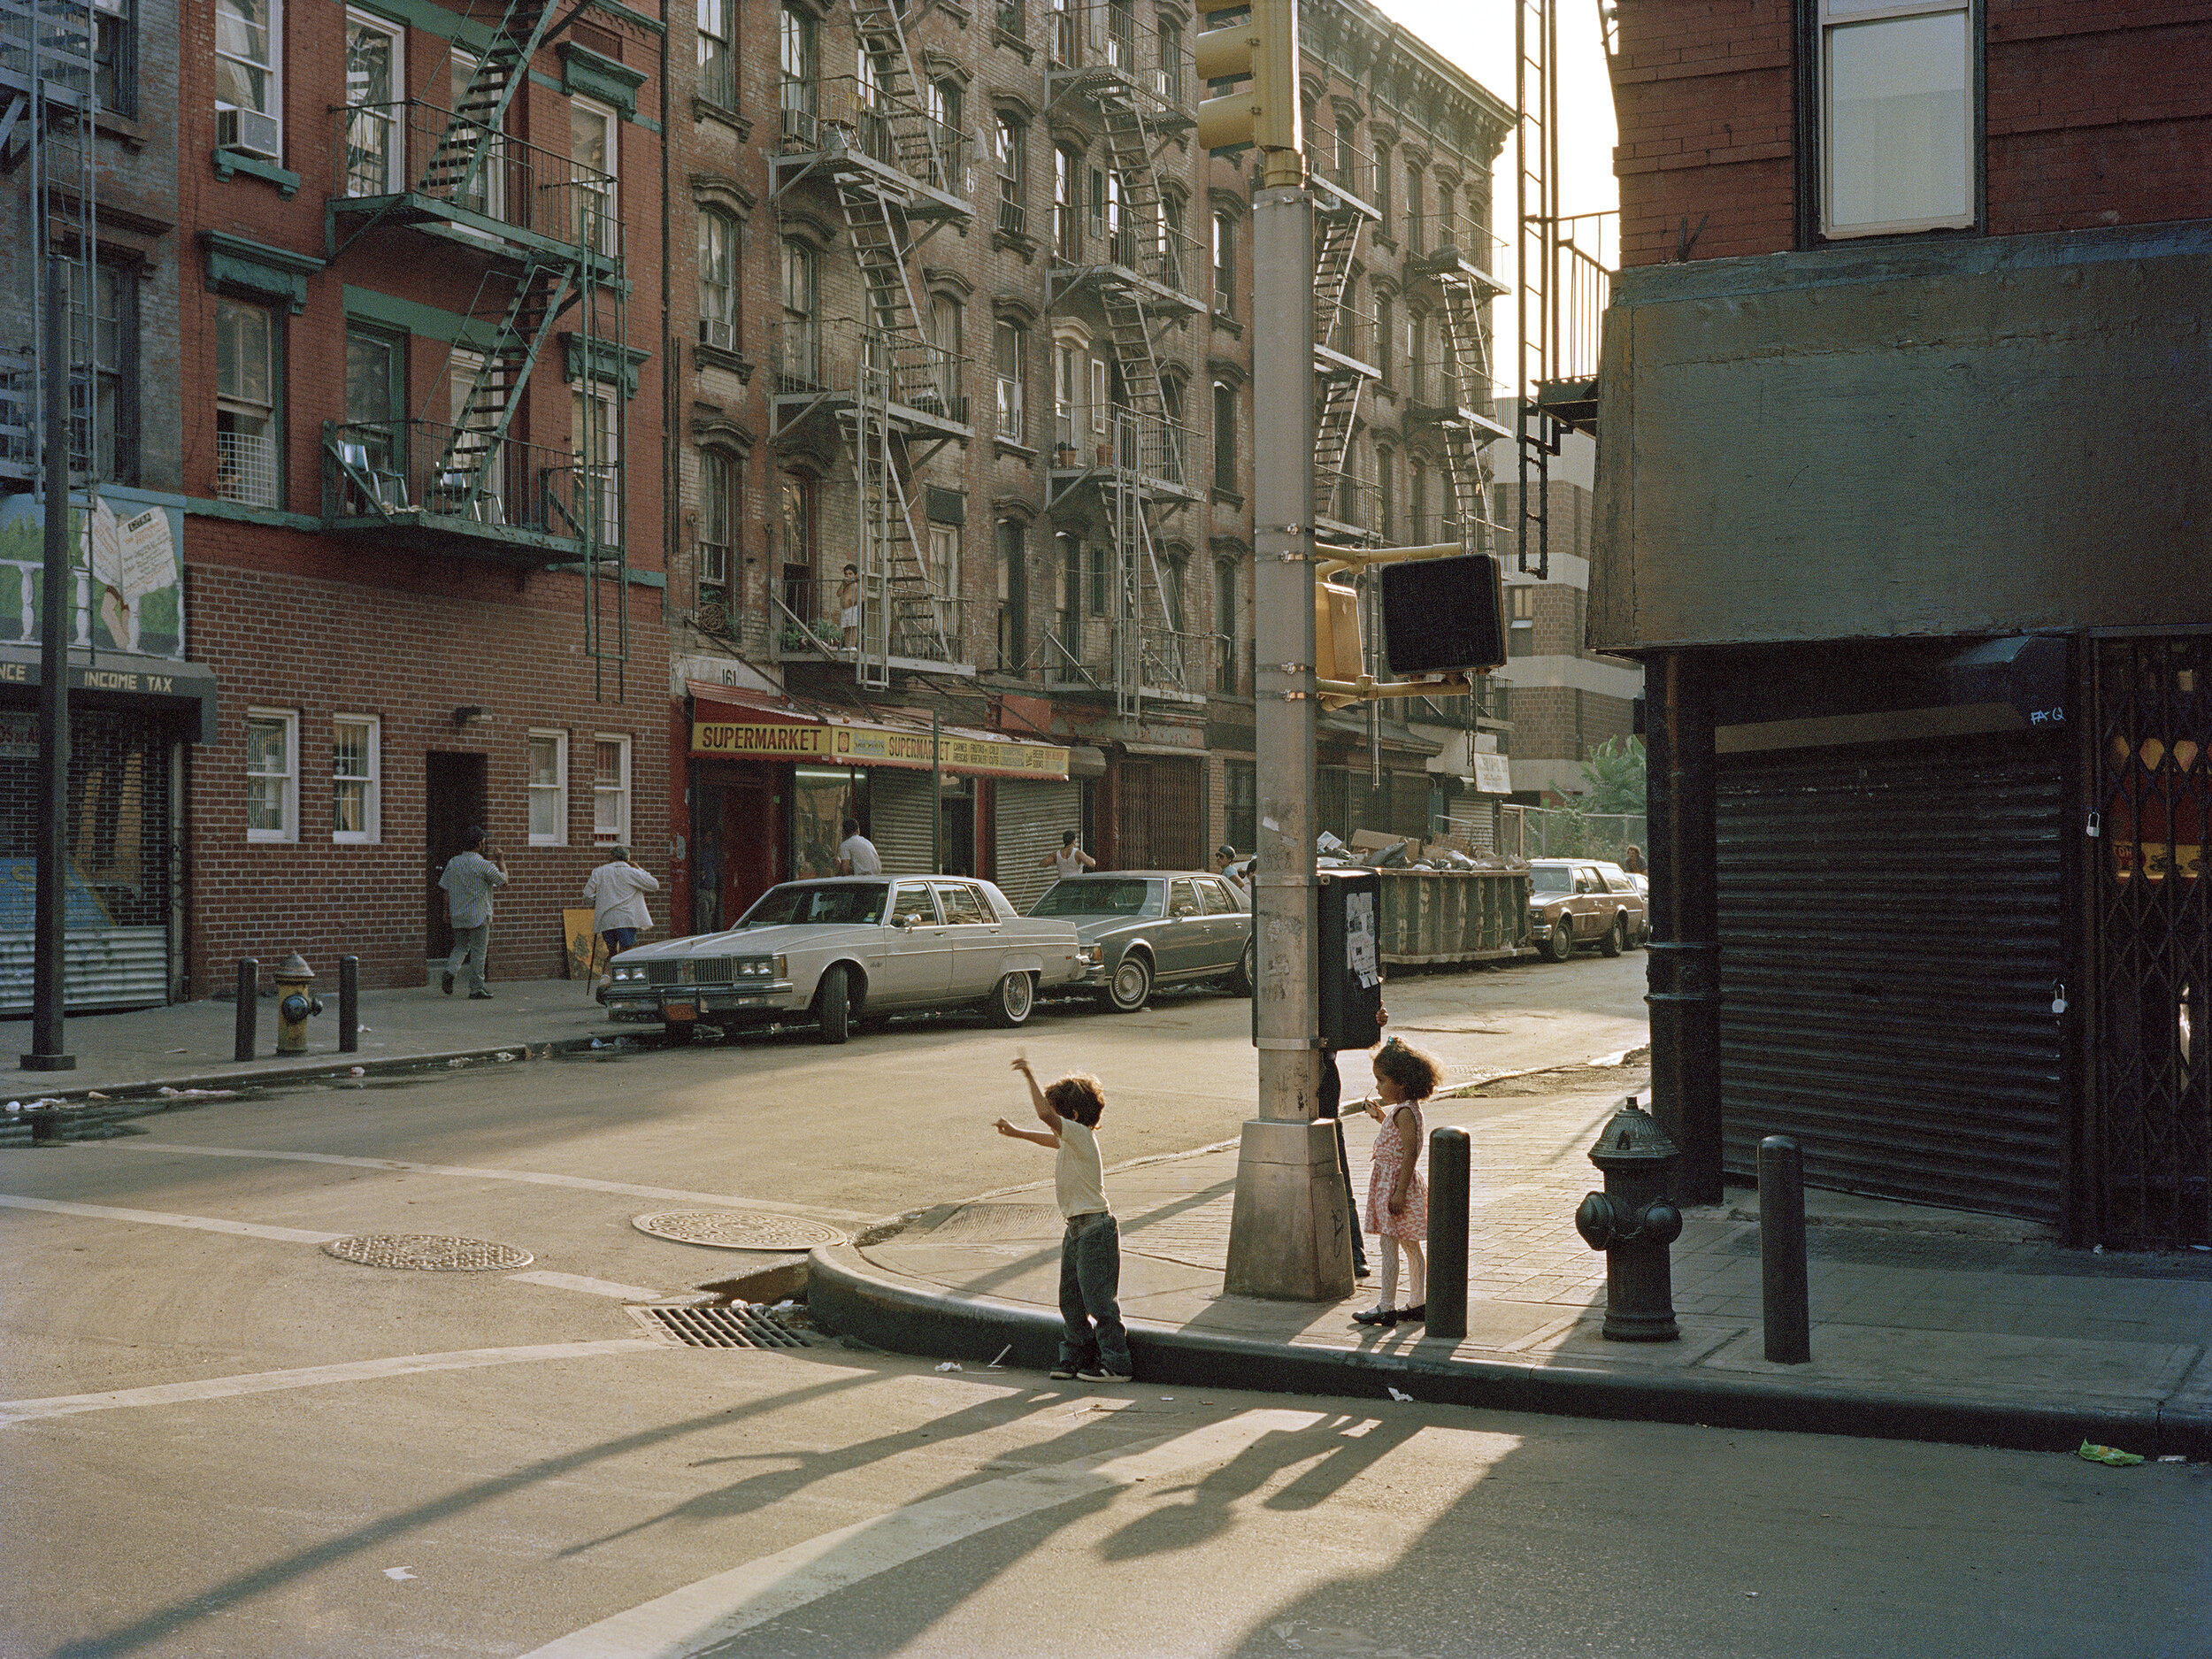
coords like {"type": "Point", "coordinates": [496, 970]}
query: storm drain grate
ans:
{"type": "Point", "coordinates": [734, 1230]}
{"type": "Point", "coordinates": [427, 1250]}
{"type": "Point", "coordinates": [736, 1324]}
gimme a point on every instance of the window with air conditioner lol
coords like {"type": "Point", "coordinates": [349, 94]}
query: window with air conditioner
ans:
{"type": "Point", "coordinates": [717, 280]}
{"type": "Point", "coordinates": [717, 527]}
{"type": "Point", "coordinates": [249, 54]}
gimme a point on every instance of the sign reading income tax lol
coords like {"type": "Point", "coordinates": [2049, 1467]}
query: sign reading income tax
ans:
{"type": "Point", "coordinates": [875, 745]}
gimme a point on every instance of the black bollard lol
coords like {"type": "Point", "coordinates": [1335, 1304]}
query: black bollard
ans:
{"type": "Point", "coordinates": [348, 1004]}
{"type": "Point", "coordinates": [249, 1010]}
{"type": "Point", "coordinates": [1785, 1308]}
{"type": "Point", "coordinates": [1448, 1159]}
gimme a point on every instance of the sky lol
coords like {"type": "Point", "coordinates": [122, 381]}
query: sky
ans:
{"type": "Point", "coordinates": [1477, 36]}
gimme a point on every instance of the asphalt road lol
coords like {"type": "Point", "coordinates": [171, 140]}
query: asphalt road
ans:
{"type": "Point", "coordinates": [218, 1439]}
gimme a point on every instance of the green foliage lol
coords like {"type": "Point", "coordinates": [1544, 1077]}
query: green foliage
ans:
{"type": "Point", "coordinates": [1614, 772]}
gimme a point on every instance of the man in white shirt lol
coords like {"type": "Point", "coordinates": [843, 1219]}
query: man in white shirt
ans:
{"type": "Point", "coordinates": [616, 892]}
{"type": "Point", "coordinates": [1071, 860]}
{"type": "Point", "coordinates": [856, 854]}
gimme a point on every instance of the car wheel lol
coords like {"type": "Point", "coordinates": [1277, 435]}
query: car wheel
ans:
{"type": "Point", "coordinates": [1560, 945]}
{"type": "Point", "coordinates": [834, 1006]}
{"type": "Point", "coordinates": [1012, 998]}
{"type": "Point", "coordinates": [1616, 939]}
{"type": "Point", "coordinates": [1132, 986]}
{"type": "Point", "coordinates": [1242, 980]}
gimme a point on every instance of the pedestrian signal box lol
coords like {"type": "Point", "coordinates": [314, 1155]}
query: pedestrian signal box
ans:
{"type": "Point", "coordinates": [1443, 615]}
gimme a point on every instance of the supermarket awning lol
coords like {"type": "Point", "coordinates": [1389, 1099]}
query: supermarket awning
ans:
{"type": "Point", "coordinates": [729, 728]}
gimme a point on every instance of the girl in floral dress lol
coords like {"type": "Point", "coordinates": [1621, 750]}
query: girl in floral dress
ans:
{"type": "Point", "coordinates": [1397, 1197]}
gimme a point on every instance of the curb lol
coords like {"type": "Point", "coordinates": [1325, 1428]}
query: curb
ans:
{"type": "Point", "coordinates": [848, 1294]}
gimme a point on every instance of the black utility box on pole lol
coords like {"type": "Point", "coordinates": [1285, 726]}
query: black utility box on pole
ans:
{"type": "Point", "coordinates": [1350, 945]}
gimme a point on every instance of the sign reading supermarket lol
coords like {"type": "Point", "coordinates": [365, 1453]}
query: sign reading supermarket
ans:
{"type": "Point", "coordinates": [876, 746]}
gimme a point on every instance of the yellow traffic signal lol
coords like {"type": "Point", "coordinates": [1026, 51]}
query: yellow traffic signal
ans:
{"type": "Point", "coordinates": [1260, 49]}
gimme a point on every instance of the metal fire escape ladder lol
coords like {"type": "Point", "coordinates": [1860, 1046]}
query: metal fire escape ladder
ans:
{"type": "Point", "coordinates": [468, 470]}
{"type": "Point", "coordinates": [470, 141]}
{"type": "Point", "coordinates": [1468, 429]}
{"type": "Point", "coordinates": [1337, 224]}
{"type": "Point", "coordinates": [909, 132]}
{"type": "Point", "coordinates": [1536, 435]}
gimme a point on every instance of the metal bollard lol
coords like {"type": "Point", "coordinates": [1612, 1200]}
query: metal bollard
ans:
{"type": "Point", "coordinates": [1449, 1157]}
{"type": "Point", "coordinates": [1784, 1307]}
{"type": "Point", "coordinates": [249, 988]}
{"type": "Point", "coordinates": [348, 1004]}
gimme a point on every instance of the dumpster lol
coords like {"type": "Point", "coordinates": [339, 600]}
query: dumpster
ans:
{"type": "Point", "coordinates": [1447, 916]}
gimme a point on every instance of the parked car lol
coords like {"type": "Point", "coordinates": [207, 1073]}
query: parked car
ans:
{"type": "Point", "coordinates": [1621, 880]}
{"type": "Point", "coordinates": [1570, 902]}
{"type": "Point", "coordinates": [1139, 928]}
{"type": "Point", "coordinates": [849, 951]}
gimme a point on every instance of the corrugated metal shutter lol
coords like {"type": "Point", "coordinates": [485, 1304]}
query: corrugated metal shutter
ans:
{"type": "Point", "coordinates": [1409, 804]}
{"type": "Point", "coordinates": [900, 808]}
{"type": "Point", "coordinates": [1160, 818]}
{"type": "Point", "coordinates": [1031, 819]}
{"type": "Point", "coordinates": [102, 967]}
{"type": "Point", "coordinates": [1889, 935]}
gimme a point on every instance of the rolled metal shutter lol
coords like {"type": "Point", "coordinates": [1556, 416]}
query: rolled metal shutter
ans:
{"type": "Point", "coordinates": [901, 805]}
{"type": "Point", "coordinates": [1890, 934]}
{"type": "Point", "coordinates": [1031, 818]}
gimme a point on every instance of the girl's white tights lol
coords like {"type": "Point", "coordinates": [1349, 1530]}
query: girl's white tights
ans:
{"type": "Point", "coordinates": [1417, 1273]}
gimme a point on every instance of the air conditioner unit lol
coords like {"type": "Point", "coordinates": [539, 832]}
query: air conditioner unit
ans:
{"type": "Point", "coordinates": [249, 132]}
{"type": "Point", "coordinates": [716, 334]}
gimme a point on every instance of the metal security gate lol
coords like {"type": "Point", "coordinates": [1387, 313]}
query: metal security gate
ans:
{"type": "Point", "coordinates": [1031, 818]}
{"type": "Point", "coordinates": [116, 948]}
{"type": "Point", "coordinates": [1160, 817]}
{"type": "Point", "coordinates": [901, 820]}
{"type": "Point", "coordinates": [1892, 935]}
{"type": "Point", "coordinates": [2149, 1141]}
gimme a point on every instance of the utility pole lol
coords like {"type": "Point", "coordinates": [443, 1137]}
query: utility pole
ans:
{"type": "Point", "coordinates": [1288, 1234]}
{"type": "Point", "coordinates": [50, 916]}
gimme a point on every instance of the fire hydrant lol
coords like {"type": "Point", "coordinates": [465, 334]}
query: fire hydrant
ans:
{"type": "Point", "coordinates": [1634, 1221]}
{"type": "Point", "coordinates": [296, 1003]}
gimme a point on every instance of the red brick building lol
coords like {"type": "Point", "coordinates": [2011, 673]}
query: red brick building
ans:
{"type": "Point", "coordinates": [1902, 490]}
{"type": "Point", "coordinates": [421, 377]}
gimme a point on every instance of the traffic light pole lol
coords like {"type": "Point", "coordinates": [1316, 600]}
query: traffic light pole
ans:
{"type": "Point", "coordinates": [1289, 1233]}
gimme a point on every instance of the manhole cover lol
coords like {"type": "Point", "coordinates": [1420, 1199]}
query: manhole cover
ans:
{"type": "Point", "coordinates": [729, 1229]}
{"type": "Point", "coordinates": [740, 1325]}
{"type": "Point", "coordinates": [426, 1249]}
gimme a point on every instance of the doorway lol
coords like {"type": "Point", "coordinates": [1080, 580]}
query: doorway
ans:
{"type": "Point", "coordinates": [455, 795]}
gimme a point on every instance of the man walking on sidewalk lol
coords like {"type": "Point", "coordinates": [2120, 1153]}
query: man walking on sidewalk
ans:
{"type": "Point", "coordinates": [469, 879]}
{"type": "Point", "coordinates": [616, 892]}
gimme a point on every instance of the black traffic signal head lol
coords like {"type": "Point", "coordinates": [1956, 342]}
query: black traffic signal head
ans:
{"type": "Point", "coordinates": [1444, 615]}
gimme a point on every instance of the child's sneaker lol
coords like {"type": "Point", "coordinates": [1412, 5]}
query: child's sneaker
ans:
{"type": "Point", "coordinates": [1063, 1373]}
{"type": "Point", "coordinates": [1103, 1375]}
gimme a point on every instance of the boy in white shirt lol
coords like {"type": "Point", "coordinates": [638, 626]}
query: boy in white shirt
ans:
{"type": "Point", "coordinates": [1095, 1345]}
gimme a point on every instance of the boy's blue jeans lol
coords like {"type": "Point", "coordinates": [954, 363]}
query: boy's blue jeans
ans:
{"type": "Point", "coordinates": [1090, 1277]}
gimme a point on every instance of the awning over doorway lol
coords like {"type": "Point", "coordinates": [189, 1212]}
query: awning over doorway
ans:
{"type": "Point", "coordinates": [123, 680]}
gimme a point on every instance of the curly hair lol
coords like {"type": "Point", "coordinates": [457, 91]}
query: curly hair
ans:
{"type": "Point", "coordinates": [1414, 1072]}
{"type": "Point", "coordinates": [1077, 1096]}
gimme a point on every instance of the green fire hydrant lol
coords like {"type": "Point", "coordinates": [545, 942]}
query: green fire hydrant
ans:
{"type": "Point", "coordinates": [296, 1003]}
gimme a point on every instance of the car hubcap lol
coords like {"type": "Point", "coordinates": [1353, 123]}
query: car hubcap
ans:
{"type": "Point", "coordinates": [1017, 1001]}
{"type": "Point", "coordinates": [1129, 982]}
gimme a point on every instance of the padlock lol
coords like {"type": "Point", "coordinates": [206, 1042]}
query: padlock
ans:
{"type": "Point", "coordinates": [2058, 996]}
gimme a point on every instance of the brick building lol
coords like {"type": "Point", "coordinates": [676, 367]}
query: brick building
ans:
{"type": "Point", "coordinates": [1927, 664]}
{"type": "Point", "coordinates": [420, 385]}
{"type": "Point", "coordinates": [969, 315]}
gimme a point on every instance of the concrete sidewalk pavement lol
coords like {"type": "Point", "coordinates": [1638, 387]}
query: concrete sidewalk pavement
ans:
{"type": "Point", "coordinates": [1927, 1324]}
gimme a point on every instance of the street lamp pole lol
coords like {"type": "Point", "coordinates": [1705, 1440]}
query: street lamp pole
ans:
{"type": "Point", "coordinates": [49, 920]}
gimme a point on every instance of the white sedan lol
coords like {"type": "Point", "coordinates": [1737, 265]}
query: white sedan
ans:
{"type": "Point", "coordinates": [846, 951]}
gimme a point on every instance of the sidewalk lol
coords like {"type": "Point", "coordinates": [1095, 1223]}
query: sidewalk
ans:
{"type": "Point", "coordinates": [192, 1045]}
{"type": "Point", "coordinates": [1927, 1324]}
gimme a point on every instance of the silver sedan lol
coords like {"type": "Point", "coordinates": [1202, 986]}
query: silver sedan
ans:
{"type": "Point", "coordinates": [849, 951]}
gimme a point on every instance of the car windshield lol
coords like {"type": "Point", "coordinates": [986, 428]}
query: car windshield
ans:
{"type": "Point", "coordinates": [801, 906]}
{"type": "Point", "coordinates": [1551, 879]}
{"type": "Point", "coordinates": [1110, 897]}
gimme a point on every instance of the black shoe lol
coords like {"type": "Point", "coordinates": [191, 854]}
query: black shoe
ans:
{"type": "Point", "coordinates": [445, 983]}
{"type": "Point", "coordinates": [1376, 1316]}
{"type": "Point", "coordinates": [1417, 1314]}
{"type": "Point", "coordinates": [1360, 1269]}
{"type": "Point", "coordinates": [1062, 1373]}
{"type": "Point", "coordinates": [480, 997]}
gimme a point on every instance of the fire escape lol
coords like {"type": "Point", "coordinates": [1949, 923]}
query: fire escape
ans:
{"type": "Point", "coordinates": [894, 395]}
{"type": "Point", "coordinates": [1455, 394]}
{"type": "Point", "coordinates": [1342, 356]}
{"type": "Point", "coordinates": [1126, 276]}
{"type": "Point", "coordinates": [49, 81]}
{"type": "Point", "coordinates": [468, 472]}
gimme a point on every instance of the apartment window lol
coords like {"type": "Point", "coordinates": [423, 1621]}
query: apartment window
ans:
{"type": "Point", "coordinates": [718, 61]}
{"type": "Point", "coordinates": [1224, 263]}
{"type": "Point", "coordinates": [376, 393]}
{"type": "Point", "coordinates": [1071, 597]}
{"type": "Point", "coordinates": [1417, 499]}
{"type": "Point", "coordinates": [592, 132]}
{"type": "Point", "coordinates": [376, 56]}
{"type": "Point", "coordinates": [488, 192]}
{"type": "Point", "coordinates": [273, 774]}
{"type": "Point", "coordinates": [1173, 570]}
{"type": "Point", "coordinates": [1897, 118]}
{"type": "Point", "coordinates": [595, 435]}
{"type": "Point", "coordinates": [1240, 798]}
{"type": "Point", "coordinates": [1170, 83]}
{"type": "Point", "coordinates": [1520, 634]}
{"type": "Point", "coordinates": [1101, 583]}
{"type": "Point", "coordinates": [1413, 209]}
{"type": "Point", "coordinates": [1446, 213]}
{"type": "Point", "coordinates": [1347, 155]}
{"type": "Point", "coordinates": [717, 527]}
{"type": "Point", "coordinates": [246, 459]}
{"type": "Point", "coordinates": [1171, 458]}
{"type": "Point", "coordinates": [356, 777]}
{"type": "Point", "coordinates": [1224, 435]}
{"type": "Point", "coordinates": [610, 788]}
{"type": "Point", "coordinates": [1225, 625]}
{"type": "Point", "coordinates": [717, 279]}
{"type": "Point", "coordinates": [103, 329]}
{"type": "Point", "coordinates": [1066, 230]}
{"type": "Point", "coordinates": [946, 325]}
{"type": "Point", "coordinates": [801, 349]}
{"type": "Point", "coordinates": [1385, 319]}
{"type": "Point", "coordinates": [1013, 584]}
{"type": "Point", "coordinates": [1417, 360]}
{"type": "Point", "coordinates": [1010, 350]}
{"type": "Point", "coordinates": [944, 559]}
{"type": "Point", "coordinates": [1066, 388]}
{"type": "Point", "coordinates": [1382, 189]}
{"type": "Point", "coordinates": [797, 62]}
{"type": "Point", "coordinates": [1007, 153]}
{"type": "Point", "coordinates": [1172, 249]}
{"type": "Point", "coordinates": [549, 788]}
{"type": "Point", "coordinates": [249, 45]}
{"type": "Point", "coordinates": [1098, 203]}
{"type": "Point", "coordinates": [480, 466]}
{"type": "Point", "coordinates": [115, 55]}
{"type": "Point", "coordinates": [1386, 491]}
{"type": "Point", "coordinates": [1099, 400]}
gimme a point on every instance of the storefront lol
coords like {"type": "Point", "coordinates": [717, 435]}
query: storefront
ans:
{"type": "Point", "coordinates": [771, 786]}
